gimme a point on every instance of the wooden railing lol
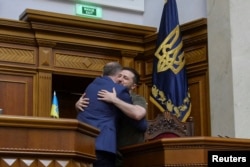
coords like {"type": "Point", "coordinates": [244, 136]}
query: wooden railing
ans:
{"type": "Point", "coordinates": [35, 141]}
{"type": "Point", "coordinates": [180, 152]}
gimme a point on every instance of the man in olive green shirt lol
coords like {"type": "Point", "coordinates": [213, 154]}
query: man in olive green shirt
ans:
{"type": "Point", "coordinates": [125, 129]}
{"type": "Point", "coordinates": [127, 133]}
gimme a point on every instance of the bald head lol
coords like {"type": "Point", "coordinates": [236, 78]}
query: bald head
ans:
{"type": "Point", "coordinates": [111, 69]}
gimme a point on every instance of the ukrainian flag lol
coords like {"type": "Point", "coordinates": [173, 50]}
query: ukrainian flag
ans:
{"type": "Point", "coordinates": [170, 85]}
{"type": "Point", "coordinates": [54, 108]}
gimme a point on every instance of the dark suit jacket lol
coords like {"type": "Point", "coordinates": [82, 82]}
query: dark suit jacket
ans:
{"type": "Point", "coordinates": [103, 115]}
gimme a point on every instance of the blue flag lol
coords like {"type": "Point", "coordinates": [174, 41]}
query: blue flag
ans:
{"type": "Point", "coordinates": [170, 85]}
{"type": "Point", "coordinates": [54, 108]}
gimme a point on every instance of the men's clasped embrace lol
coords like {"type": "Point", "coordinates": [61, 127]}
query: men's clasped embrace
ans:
{"type": "Point", "coordinates": [109, 105]}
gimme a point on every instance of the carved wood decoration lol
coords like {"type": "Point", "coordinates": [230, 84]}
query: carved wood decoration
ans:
{"type": "Point", "coordinates": [44, 45]}
{"type": "Point", "coordinates": [166, 125]}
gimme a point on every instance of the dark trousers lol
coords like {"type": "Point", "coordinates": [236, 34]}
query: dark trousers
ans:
{"type": "Point", "coordinates": [119, 159]}
{"type": "Point", "coordinates": [104, 159]}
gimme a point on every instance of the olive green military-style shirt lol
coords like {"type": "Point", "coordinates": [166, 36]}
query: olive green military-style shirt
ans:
{"type": "Point", "coordinates": [127, 133]}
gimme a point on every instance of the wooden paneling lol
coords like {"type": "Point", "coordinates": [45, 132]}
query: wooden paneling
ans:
{"type": "Point", "coordinates": [40, 142]}
{"type": "Point", "coordinates": [46, 44]}
{"type": "Point", "coordinates": [16, 93]}
{"type": "Point", "coordinates": [43, 94]}
{"type": "Point", "coordinates": [195, 48]}
{"type": "Point", "coordinates": [198, 90]}
{"type": "Point", "coordinates": [76, 63]}
{"type": "Point", "coordinates": [180, 152]}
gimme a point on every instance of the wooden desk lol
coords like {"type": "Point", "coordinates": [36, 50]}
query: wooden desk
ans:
{"type": "Point", "coordinates": [36, 141]}
{"type": "Point", "coordinates": [188, 151]}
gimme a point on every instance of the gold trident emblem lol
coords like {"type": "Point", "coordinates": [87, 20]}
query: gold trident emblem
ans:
{"type": "Point", "coordinates": [168, 56]}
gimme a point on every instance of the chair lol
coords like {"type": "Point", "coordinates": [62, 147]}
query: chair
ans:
{"type": "Point", "coordinates": [166, 125]}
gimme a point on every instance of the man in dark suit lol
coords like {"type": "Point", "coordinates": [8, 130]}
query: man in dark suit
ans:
{"type": "Point", "coordinates": [132, 124]}
{"type": "Point", "coordinates": [104, 115]}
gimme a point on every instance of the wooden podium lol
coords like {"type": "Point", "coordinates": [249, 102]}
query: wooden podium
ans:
{"type": "Point", "coordinates": [46, 142]}
{"type": "Point", "coordinates": [179, 152]}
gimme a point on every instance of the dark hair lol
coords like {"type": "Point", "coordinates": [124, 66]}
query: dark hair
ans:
{"type": "Point", "coordinates": [136, 78]}
{"type": "Point", "coordinates": [111, 69]}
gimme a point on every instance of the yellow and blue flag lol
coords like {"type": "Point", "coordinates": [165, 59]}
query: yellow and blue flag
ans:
{"type": "Point", "coordinates": [54, 108]}
{"type": "Point", "coordinates": [170, 85]}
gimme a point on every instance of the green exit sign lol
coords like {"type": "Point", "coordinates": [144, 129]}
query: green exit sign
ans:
{"type": "Point", "coordinates": [88, 11]}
